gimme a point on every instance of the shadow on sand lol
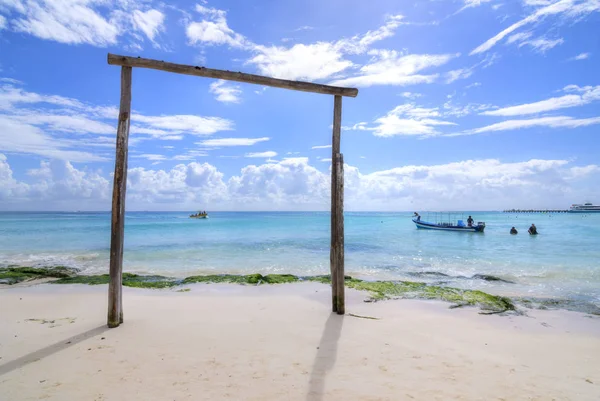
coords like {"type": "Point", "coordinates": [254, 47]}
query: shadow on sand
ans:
{"type": "Point", "coordinates": [326, 356]}
{"type": "Point", "coordinates": [51, 349]}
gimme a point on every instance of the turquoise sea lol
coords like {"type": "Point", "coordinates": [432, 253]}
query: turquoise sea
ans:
{"type": "Point", "coordinates": [562, 261]}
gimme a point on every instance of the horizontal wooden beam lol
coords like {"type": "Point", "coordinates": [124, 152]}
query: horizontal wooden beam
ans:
{"type": "Point", "coordinates": [126, 61]}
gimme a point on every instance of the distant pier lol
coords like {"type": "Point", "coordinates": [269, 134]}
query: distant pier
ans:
{"type": "Point", "coordinates": [535, 211]}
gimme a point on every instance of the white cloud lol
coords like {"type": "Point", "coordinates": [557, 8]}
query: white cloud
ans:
{"type": "Point", "coordinates": [473, 85]}
{"type": "Point", "coordinates": [69, 21]}
{"type": "Point", "coordinates": [225, 92]}
{"type": "Point", "coordinates": [360, 43]}
{"type": "Point", "coordinates": [214, 30]}
{"type": "Point", "coordinates": [288, 184]}
{"type": "Point", "coordinates": [10, 189]}
{"type": "Point", "coordinates": [410, 95]}
{"type": "Point", "coordinates": [2, 22]}
{"type": "Point", "coordinates": [233, 141]}
{"type": "Point", "coordinates": [265, 155]}
{"type": "Point", "coordinates": [309, 62]}
{"type": "Point", "coordinates": [580, 56]}
{"type": "Point", "coordinates": [20, 137]}
{"type": "Point", "coordinates": [57, 181]}
{"type": "Point", "coordinates": [293, 184]}
{"type": "Point", "coordinates": [313, 61]}
{"type": "Point", "coordinates": [451, 109]}
{"type": "Point", "coordinates": [361, 126]}
{"type": "Point", "coordinates": [518, 37]}
{"type": "Point", "coordinates": [66, 123]}
{"type": "Point", "coordinates": [571, 9]}
{"type": "Point", "coordinates": [318, 60]}
{"type": "Point", "coordinates": [541, 45]}
{"type": "Point", "coordinates": [11, 96]}
{"type": "Point", "coordinates": [549, 122]}
{"type": "Point", "coordinates": [188, 124]}
{"type": "Point", "coordinates": [389, 67]}
{"type": "Point", "coordinates": [455, 75]}
{"type": "Point", "coordinates": [11, 81]}
{"type": "Point", "coordinates": [93, 22]}
{"type": "Point", "coordinates": [322, 147]}
{"type": "Point", "coordinates": [406, 119]}
{"type": "Point", "coordinates": [151, 22]}
{"type": "Point", "coordinates": [184, 184]}
{"type": "Point", "coordinates": [496, 184]}
{"type": "Point", "coordinates": [588, 95]}
{"type": "Point", "coordinates": [151, 157]}
{"type": "Point", "coordinates": [66, 128]}
{"type": "Point", "coordinates": [192, 154]}
{"type": "Point", "coordinates": [538, 3]}
{"type": "Point", "coordinates": [471, 4]}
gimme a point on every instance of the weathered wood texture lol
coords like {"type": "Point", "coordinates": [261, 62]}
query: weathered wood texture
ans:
{"type": "Point", "coordinates": [338, 233]}
{"type": "Point", "coordinates": [333, 253]}
{"type": "Point", "coordinates": [114, 59]}
{"type": "Point", "coordinates": [115, 286]}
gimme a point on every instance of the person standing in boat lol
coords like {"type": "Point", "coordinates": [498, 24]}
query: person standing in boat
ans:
{"type": "Point", "coordinates": [417, 216]}
{"type": "Point", "coordinates": [513, 231]}
{"type": "Point", "coordinates": [532, 230]}
{"type": "Point", "coordinates": [470, 221]}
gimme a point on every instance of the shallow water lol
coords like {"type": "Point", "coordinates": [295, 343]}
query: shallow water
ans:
{"type": "Point", "coordinates": [562, 261]}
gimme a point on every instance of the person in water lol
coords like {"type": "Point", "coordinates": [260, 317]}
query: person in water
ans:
{"type": "Point", "coordinates": [532, 230]}
{"type": "Point", "coordinates": [470, 221]}
{"type": "Point", "coordinates": [513, 231]}
{"type": "Point", "coordinates": [417, 216]}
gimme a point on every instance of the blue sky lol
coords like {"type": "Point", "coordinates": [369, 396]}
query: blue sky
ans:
{"type": "Point", "coordinates": [466, 104]}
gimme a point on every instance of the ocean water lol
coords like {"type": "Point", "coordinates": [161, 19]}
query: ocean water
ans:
{"type": "Point", "coordinates": [562, 261]}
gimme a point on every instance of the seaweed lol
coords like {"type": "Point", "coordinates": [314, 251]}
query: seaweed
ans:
{"type": "Point", "coordinates": [381, 290]}
{"type": "Point", "coordinates": [242, 279]}
{"type": "Point", "coordinates": [224, 278]}
{"type": "Point", "coordinates": [378, 290]}
{"type": "Point", "coordinates": [129, 280]}
{"type": "Point", "coordinates": [16, 274]}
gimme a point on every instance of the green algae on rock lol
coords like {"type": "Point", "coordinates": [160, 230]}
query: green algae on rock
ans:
{"type": "Point", "coordinates": [242, 279]}
{"type": "Point", "coordinates": [16, 274]}
{"type": "Point", "coordinates": [379, 290]}
{"type": "Point", "coordinates": [223, 278]}
{"type": "Point", "coordinates": [129, 280]}
{"type": "Point", "coordinates": [407, 289]}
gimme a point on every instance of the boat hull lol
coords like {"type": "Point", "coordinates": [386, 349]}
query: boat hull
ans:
{"type": "Point", "coordinates": [201, 217]}
{"type": "Point", "coordinates": [430, 226]}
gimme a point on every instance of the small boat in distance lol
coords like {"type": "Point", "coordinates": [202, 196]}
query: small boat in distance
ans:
{"type": "Point", "coordinates": [199, 215]}
{"type": "Point", "coordinates": [449, 225]}
{"type": "Point", "coordinates": [584, 208]}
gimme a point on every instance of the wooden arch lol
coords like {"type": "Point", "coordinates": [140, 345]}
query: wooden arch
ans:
{"type": "Point", "coordinates": [115, 286]}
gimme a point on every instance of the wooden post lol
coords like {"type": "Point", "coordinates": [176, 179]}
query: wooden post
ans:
{"type": "Point", "coordinates": [333, 253]}
{"type": "Point", "coordinates": [115, 285]}
{"type": "Point", "coordinates": [339, 233]}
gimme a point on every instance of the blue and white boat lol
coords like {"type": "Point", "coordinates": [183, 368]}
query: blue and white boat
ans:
{"type": "Point", "coordinates": [449, 226]}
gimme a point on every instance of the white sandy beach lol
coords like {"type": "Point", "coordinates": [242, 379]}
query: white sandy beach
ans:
{"type": "Point", "coordinates": [281, 343]}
